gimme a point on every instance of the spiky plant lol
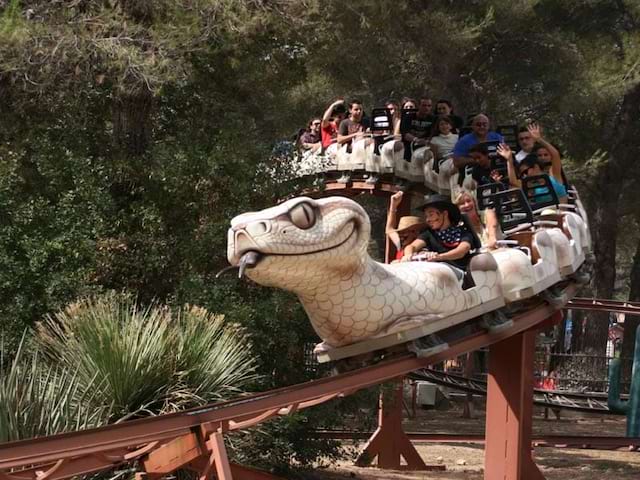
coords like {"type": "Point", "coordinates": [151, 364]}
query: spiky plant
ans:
{"type": "Point", "coordinates": [213, 358]}
{"type": "Point", "coordinates": [148, 359]}
{"type": "Point", "coordinates": [128, 348]}
{"type": "Point", "coordinates": [38, 399]}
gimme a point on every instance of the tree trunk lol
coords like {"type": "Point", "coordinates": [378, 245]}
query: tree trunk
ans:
{"type": "Point", "coordinates": [594, 339]}
{"type": "Point", "coordinates": [621, 135]}
{"type": "Point", "coordinates": [577, 330]}
{"type": "Point", "coordinates": [631, 322]}
{"type": "Point", "coordinates": [132, 122]}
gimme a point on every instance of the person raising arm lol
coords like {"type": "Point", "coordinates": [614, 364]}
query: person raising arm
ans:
{"type": "Point", "coordinates": [328, 113]}
{"type": "Point", "coordinates": [556, 163]}
{"type": "Point", "coordinates": [505, 152]}
{"type": "Point", "coordinates": [407, 228]}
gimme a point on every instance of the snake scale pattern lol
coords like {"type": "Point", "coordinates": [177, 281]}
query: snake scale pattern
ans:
{"type": "Point", "coordinates": [318, 250]}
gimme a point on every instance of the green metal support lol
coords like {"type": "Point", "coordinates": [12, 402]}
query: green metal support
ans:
{"type": "Point", "coordinates": [631, 407]}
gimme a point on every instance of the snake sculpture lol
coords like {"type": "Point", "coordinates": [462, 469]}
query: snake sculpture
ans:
{"type": "Point", "coordinates": [318, 250]}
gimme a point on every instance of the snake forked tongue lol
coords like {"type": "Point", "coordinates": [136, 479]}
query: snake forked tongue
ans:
{"type": "Point", "coordinates": [248, 260]}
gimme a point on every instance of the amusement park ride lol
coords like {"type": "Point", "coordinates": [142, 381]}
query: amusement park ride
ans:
{"type": "Point", "coordinates": [377, 322]}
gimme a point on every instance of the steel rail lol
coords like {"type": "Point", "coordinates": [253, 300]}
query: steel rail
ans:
{"type": "Point", "coordinates": [565, 441]}
{"type": "Point", "coordinates": [165, 427]}
{"type": "Point", "coordinates": [594, 304]}
{"type": "Point", "coordinates": [545, 398]}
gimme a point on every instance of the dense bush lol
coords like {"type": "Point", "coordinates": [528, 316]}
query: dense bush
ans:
{"type": "Point", "coordinates": [105, 359]}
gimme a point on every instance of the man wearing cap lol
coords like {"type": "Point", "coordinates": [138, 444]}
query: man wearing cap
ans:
{"type": "Point", "coordinates": [444, 239]}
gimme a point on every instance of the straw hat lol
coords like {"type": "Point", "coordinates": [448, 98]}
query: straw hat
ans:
{"type": "Point", "coordinates": [409, 221]}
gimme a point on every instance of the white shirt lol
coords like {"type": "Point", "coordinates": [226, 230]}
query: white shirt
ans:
{"type": "Point", "coordinates": [520, 156]}
{"type": "Point", "coordinates": [444, 143]}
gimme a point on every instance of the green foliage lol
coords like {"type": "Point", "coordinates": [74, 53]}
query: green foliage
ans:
{"type": "Point", "coordinates": [37, 399]}
{"type": "Point", "coordinates": [107, 359]}
{"type": "Point", "coordinates": [12, 26]}
{"type": "Point", "coordinates": [148, 359]}
{"type": "Point", "coordinates": [132, 131]}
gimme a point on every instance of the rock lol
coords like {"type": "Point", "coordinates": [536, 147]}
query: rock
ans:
{"type": "Point", "coordinates": [439, 460]}
{"type": "Point", "coordinates": [461, 461]}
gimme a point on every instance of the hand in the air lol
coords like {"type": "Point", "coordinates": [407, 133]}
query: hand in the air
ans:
{"type": "Point", "coordinates": [396, 199]}
{"type": "Point", "coordinates": [504, 151]}
{"type": "Point", "coordinates": [535, 130]}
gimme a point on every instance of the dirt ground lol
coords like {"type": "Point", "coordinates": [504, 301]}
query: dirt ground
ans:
{"type": "Point", "coordinates": [466, 461]}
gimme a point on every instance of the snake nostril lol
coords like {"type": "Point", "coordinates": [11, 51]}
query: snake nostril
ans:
{"type": "Point", "coordinates": [243, 241]}
{"type": "Point", "coordinates": [257, 228]}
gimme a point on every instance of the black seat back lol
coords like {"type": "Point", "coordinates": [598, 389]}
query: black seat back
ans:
{"type": "Point", "coordinates": [512, 208]}
{"type": "Point", "coordinates": [510, 135]}
{"type": "Point", "coordinates": [484, 194]}
{"type": "Point", "coordinates": [381, 120]}
{"type": "Point", "coordinates": [407, 115]}
{"type": "Point", "coordinates": [463, 131]}
{"type": "Point", "coordinates": [539, 191]}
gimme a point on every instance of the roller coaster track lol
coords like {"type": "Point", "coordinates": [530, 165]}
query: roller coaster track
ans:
{"type": "Point", "coordinates": [629, 308]}
{"type": "Point", "coordinates": [593, 403]}
{"type": "Point", "coordinates": [584, 402]}
{"type": "Point", "coordinates": [78, 453]}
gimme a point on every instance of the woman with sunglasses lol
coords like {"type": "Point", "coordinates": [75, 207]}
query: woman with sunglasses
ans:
{"type": "Point", "coordinates": [530, 166]}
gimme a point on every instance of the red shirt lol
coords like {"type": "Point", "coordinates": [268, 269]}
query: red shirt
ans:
{"type": "Point", "coordinates": [329, 133]}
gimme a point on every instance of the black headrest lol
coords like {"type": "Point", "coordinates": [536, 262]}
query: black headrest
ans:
{"type": "Point", "coordinates": [539, 191]}
{"type": "Point", "coordinates": [484, 194]}
{"type": "Point", "coordinates": [512, 208]}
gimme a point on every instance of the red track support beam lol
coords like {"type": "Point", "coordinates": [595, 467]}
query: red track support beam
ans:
{"type": "Point", "coordinates": [219, 457]}
{"type": "Point", "coordinates": [509, 409]}
{"type": "Point", "coordinates": [389, 443]}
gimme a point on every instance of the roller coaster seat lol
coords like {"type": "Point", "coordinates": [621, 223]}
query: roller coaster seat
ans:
{"type": "Point", "coordinates": [484, 194]}
{"type": "Point", "coordinates": [510, 135]}
{"type": "Point", "coordinates": [513, 211]}
{"type": "Point", "coordinates": [539, 192]}
{"type": "Point", "coordinates": [406, 117]}
{"type": "Point", "coordinates": [519, 223]}
{"type": "Point", "coordinates": [381, 121]}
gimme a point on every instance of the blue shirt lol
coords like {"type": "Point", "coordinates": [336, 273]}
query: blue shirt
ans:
{"type": "Point", "coordinates": [469, 140]}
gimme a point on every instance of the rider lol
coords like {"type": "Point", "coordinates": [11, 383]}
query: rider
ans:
{"type": "Point", "coordinates": [407, 229]}
{"type": "Point", "coordinates": [445, 239]}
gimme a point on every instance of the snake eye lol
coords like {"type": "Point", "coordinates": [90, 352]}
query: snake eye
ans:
{"type": "Point", "coordinates": [303, 216]}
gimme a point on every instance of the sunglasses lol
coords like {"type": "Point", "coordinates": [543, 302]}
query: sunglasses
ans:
{"type": "Point", "coordinates": [525, 171]}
